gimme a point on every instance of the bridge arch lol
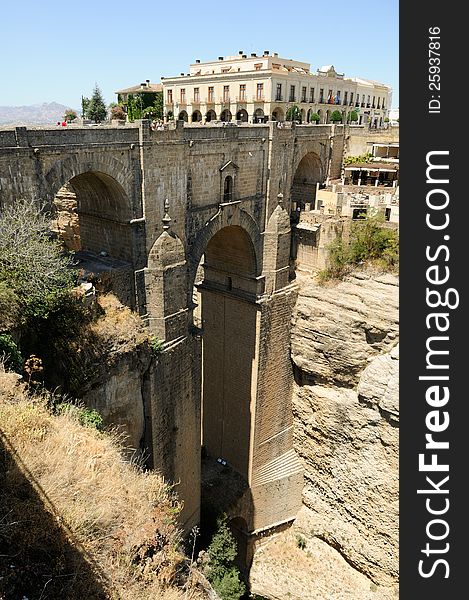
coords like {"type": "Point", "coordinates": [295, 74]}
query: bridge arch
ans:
{"type": "Point", "coordinates": [92, 206]}
{"type": "Point", "coordinates": [309, 172]}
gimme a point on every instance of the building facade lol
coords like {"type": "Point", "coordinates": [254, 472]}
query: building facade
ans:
{"type": "Point", "coordinates": [256, 89]}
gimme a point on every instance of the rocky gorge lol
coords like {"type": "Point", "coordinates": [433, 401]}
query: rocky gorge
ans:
{"type": "Point", "coordinates": [344, 541]}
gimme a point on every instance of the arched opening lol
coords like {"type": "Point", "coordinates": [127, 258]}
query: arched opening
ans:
{"type": "Point", "coordinates": [225, 289]}
{"type": "Point", "coordinates": [321, 116]}
{"type": "Point", "coordinates": [183, 116]}
{"type": "Point", "coordinates": [92, 218]}
{"type": "Point", "coordinates": [327, 116]}
{"type": "Point", "coordinates": [308, 173]}
{"type": "Point", "coordinates": [258, 115]}
{"type": "Point", "coordinates": [228, 189]}
{"type": "Point", "coordinates": [210, 116]}
{"type": "Point", "coordinates": [302, 115]}
{"type": "Point", "coordinates": [278, 114]}
{"type": "Point", "coordinates": [308, 115]}
{"type": "Point", "coordinates": [196, 116]}
{"type": "Point", "coordinates": [225, 115]}
{"type": "Point", "coordinates": [242, 115]}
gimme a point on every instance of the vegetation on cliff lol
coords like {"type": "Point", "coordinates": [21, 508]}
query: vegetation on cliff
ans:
{"type": "Point", "coordinates": [370, 243]}
{"type": "Point", "coordinates": [76, 519]}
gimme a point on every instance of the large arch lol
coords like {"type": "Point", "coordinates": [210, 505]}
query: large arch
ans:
{"type": "Point", "coordinates": [258, 116]}
{"type": "Point", "coordinates": [229, 317]}
{"type": "Point", "coordinates": [196, 116]}
{"type": "Point", "coordinates": [308, 173]}
{"type": "Point", "coordinates": [96, 204]}
{"type": "Point", "coordinates": [183, 116]}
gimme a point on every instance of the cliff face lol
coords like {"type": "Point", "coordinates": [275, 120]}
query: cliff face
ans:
{"type": "Point", "coordinates": [345, 404]}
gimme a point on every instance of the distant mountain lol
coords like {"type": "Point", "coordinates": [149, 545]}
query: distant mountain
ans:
{"type": "Point", "coordinates": [47, 113]}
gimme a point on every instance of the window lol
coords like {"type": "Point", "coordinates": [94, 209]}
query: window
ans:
{"type": "Point", "coordinates": [228, 189]}
{"type": "Point", "coordinates": [210, 94]}
{"type": "Point", "coordinates": [170, 96]}
{"type": "Point", "coordinates": [183, 95]}
{"type": "Point", "coordinates": [303, 94]}
{"type": "Point", "coordinates": [383, 104]}
{"type": "Point", "coordinates": [374, 102]}
{"type": "Point", "coordinates": [337, 97]}
{"type": "Point", "coordinates": [260, 91]}
{"type": "Point", "coordinates": [226, 93]}
{"type": "Point", "coordinates": [226, 70]}
{"type": "Point", "coordinates": [321, 96]}
{"type": "Point", "coordinates": [379, 100]}
{"type": "Point", "coordinates": [292, 93]}
{"type": "Point", "coordinates": [278, 95]}
{"type": "Point", "coordinates": [363, 99]}
{"type": "Point", "coordinates": [311, 95]}
{"type": "Point", "coordinates": [242, 91]}
{"type": "Point", "coordinates": [345, 98]}
{"type": "Point", "coordinates": [368, 102]}
{"type": "Point", "coordinates": [330, 97]}
{"type": "Point", "coordinates": [258, 66]}
{"type": "Point", "coordinates": [196, 95]}
{"type": "Point", "coordinates": [351, 98]}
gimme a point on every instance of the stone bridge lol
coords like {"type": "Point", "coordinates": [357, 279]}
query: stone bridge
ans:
{"type": "Point", "coordinates": [201, 216]}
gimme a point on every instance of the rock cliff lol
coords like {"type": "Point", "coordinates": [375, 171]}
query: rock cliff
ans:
{"type": "Point", "coordinates": [346, 414]}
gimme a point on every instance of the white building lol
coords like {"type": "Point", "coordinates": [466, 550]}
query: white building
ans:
{"type": "Point", "coordinates": [258, 88]}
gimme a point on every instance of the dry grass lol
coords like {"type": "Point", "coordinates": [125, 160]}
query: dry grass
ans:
{"type": "Point", "coordinates": [76, 520]}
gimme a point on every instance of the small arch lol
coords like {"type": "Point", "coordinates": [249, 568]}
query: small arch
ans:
{"type": "Point", "coordinates": [278, 114]}
{"type": "Point", "coordinates": [242, 115]}
{"type": "Point", "coordinates": [258, 115]}
{"type": "Point", "coordinates": [327, 117]}
{"type": "Point", "coordinates": [196, 116]}
{"type": "Point", "coordinates": [308, 173]}
{"type": "Point", "coordinates": [228, 189]}
{"type": "Point", "coordinates": [308, 115]}
{"type": "Point", "coordinates": [183, 116]}
{"type": "Point", "coordinates": [210, 116]}
{"type": "Point", "coordinates": [302, 115]}
{"type": "Point", "coordinates": [225, 115]}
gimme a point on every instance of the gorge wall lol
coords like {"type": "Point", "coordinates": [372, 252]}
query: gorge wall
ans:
{"type": "Point", "coordinates": [344, 542]}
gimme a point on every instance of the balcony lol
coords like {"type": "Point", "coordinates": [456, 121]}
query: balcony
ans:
{"type": "Point", "coordinates": [182, 102]}
{"type": "Point", "coordinates": [210, 100]}
{"type": "Point", "coordinates": [224, 100]}
{"type": "Point", "coordinates": [363, 105]}
{"type": "Point", "coordinates": [168, 103]}
{"type": "Point", "coordinates": [241, 99]}
{"type": "Point", "coordinates": [279, 98]}
{"type": "Point", "coordinates": [368, 105]}
{"type": "Point", "coordinates": [292, 99]}
{"type": "Point", "coordinates": [195, 101]}
{"type": "Point", "coordinates": [258, 98]}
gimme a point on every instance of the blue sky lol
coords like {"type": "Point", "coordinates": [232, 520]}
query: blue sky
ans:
{"type": "Point", "coordinates": [55, 51]}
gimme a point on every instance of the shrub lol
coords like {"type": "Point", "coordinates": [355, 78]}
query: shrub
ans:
{"type": "Point", "coordinates": [117, 112]}
{"type": "Point", "coordinates": [156, 346]}
{"type": "Point", "coordinates": [229, 587]}
{"type": "Point", "coordinates": [300, 541]}
{"type": "Point", "coordinates": [352, 116]}
{"type": "Point", "coordinates": [70, 115]}
{"type": "Point", "coordinates": [314, 117]}
{"type": "Point", "coordinates": [10, 354]}
{"type": "Point", "coordinates": [336, 116]}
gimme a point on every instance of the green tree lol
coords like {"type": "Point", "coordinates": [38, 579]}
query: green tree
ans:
{"type": "Point", "coordinates": [293, 113]}
{"type": "Point", "coordinates": [336, 116]}
{"type": "Point", "coordinates": [133, 112]}
{"type": "Point", "coordinates": [352, 116]}
{"type": "Point", "coordinates": [159, 105]}
{"type": "Point", "coordinates": [96, 110]}
{"type": "Point", "coordinates": [314, 117]}
{"type": "Point", "coordinates": [222, 573]}
{"type": "Point", "coordinates": [85, 102]}
{"type": "Point", "coordinates": [70, 115]}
